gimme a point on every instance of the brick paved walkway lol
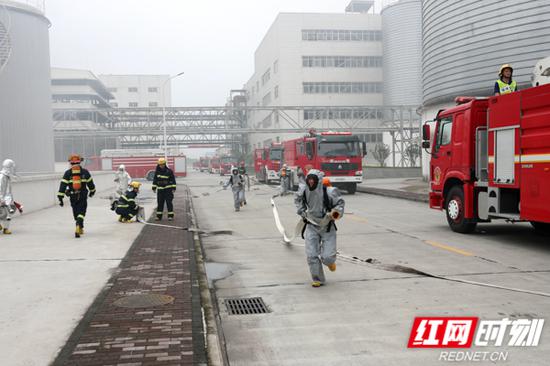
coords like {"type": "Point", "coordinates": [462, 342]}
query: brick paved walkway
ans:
{"type": "Point", "coordinates": [161, 261]}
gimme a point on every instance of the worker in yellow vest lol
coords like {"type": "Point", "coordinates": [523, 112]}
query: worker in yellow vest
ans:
{"type": "Point", "coordinates": [505, 84]}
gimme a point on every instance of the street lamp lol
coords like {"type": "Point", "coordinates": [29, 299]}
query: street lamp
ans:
{"type": "Point", "coordinates": [165, 143]}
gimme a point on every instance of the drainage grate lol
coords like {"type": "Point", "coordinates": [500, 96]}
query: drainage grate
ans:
{"type": "Point", "coordinates": [143, 301]}
{"type": "Point", "coordinates": [245, 306]}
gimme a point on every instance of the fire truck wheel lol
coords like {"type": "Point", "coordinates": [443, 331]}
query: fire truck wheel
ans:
{"type": "Point", "coordinates": [454, 208]}
{"type": "Point", "coordinates": [352, 188]}
{"type": "Point", "coordinates": [541, 227]}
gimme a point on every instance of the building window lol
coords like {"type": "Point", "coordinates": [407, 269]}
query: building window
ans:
{"type": "Point", "coordinates": [343, 113]}
{"type": "Point", "coordinates": [112, 90]}
{"type": "Point", "coordinates": [341, 35]}
{"type": "Point", "coordinates": [114, 104]}
{"type": "Point", "coordinates": [132, 89]}
{"type": "Point", "coordinates": [342, 61]}
{"type": "Point", "coordinates": [153, 104]}
{"type": "Point", "coordinates": [276, 92]}
{"type": "Point", "coordinates": [276, 66]}
{"type": "Point", "coordinates": [153, 89]}
{"type": "Point", "coordinates": [132, 104]}
{"type": "Point", "coordinates": [266, 77]}
{"type": "Point", "coordinates": [342, 88]}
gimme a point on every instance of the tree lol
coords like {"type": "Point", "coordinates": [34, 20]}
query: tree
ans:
{"type": "Point", "coordinates": [380, 153]}
{"type": "Point", "coordinates": [413, 152]}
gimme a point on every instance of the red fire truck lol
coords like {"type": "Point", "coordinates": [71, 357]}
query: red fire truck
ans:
{"type": "Point", "coordinates": [490, 159]}
{"type": "Point", "coordinates": [338, 154]}
{"type": "Point", "coordinates": [226, 162]}
{"type": "Point", "coordinates": [268, 162]}
{"type": "Point", "coordinates": [214, 165]}
{"type": "Point", "coordinates": [142, 163]}
{"type": "Point", "coordinates": [203, 163]}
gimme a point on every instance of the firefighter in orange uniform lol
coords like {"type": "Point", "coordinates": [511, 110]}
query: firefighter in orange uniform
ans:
{"type": "Point", "coordinates": [77, 184]}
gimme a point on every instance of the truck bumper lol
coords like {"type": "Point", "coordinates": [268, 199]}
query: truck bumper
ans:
{"type": "Point", "coordinates": [272, 175]}
{"type": "Point", "coordinates": [436, 200]}
{"type": "Point", "coordinates": [346, 179]}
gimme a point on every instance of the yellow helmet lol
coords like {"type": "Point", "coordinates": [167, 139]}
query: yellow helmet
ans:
{"type": "Point", "coordinates": [162, 161]}
{"type": "Point", "coordinates": [505, 66]}
{"type": "Point", "coordinates": [135, 185]}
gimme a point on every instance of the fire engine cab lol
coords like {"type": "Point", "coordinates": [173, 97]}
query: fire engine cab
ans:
{"type": "Point", "coordinates": [338, 154]}
{"type": "Point", "coordinates": [490, 159]}
{"type": "Point", "coordinates": [268, 162]}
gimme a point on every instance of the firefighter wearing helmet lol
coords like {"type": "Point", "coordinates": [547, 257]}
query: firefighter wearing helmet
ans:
{"type": "Point", "coordinates": [127, 207]}
{"type": "Point", "coordinates": [164, 185]}
{"type": "Point", "coordinates": [77, 184]}
{"type": "Point", "coordinates": [236, 181]}
{"type": "Point", "coordinates": [7, 204]}
{"type": "Point", "coordinates": [505, 84]}
{"type": "Point", "coordinates": [284, 175]}
{"type": "Point", "coordinates": [320, 206]}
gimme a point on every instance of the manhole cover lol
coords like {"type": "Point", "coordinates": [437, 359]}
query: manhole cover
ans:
{"type": "Point", "coordinates": [143, 301]}
{"type": "Point", "coordinates": [244, 306]}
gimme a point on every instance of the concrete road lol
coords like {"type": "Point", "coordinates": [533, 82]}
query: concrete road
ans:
{"type": "Point", "coordinates": [363, 315]}
{"type": "Point", "coordinates": [49, 279]}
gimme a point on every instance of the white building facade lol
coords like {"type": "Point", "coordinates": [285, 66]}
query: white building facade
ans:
{"type": "Point", "coordinates": [138, 91]}
{"type": "Point", "coordinates": [310, 59]}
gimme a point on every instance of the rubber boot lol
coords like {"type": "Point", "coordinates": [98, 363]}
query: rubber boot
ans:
{"type": "Point", "coordinates": [6, 231]}
{"type": "Point", "coordinates": [77, 232]}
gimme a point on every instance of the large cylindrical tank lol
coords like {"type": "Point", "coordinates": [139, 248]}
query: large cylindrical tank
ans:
{"type": "Point", "coordinates": [26, 129]}
{"type": "Point", "coordinates": [402, 32]}
{"type": "Point", "coordinates": [465, 42]}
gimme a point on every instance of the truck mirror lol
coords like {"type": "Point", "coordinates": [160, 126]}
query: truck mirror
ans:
{"type": "Point", "coordinates": [426, 144]}
{"type": "Point", "coordinates": [426, 132]}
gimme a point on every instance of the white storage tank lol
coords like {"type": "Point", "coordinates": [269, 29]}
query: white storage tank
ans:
{"type": "Point", "coordinates": [402, 32]}
{"type": "Point", "coordinates": [26, 131]}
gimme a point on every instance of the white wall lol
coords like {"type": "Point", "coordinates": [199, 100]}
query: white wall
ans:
{"type": "Point", "coordinates": [143, 82]}
{"type": "Point", "coordinates": [39, 192]}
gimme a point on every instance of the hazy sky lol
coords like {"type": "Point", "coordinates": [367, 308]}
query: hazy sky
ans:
{"type": "Point", "coordinates": [212, 41]}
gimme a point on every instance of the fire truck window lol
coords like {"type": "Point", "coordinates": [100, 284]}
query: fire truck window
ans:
{"type": "Point", "coordinates": [276, 154]}
{"type": "Point", "coordinates": [300, 147]}
{"type": "Point", "coordinates": [351, 148]}
{"type": "Point", "coordinates": [309, 150]}
{"type": "Point", "coordinates": [546, 72]}
{"type": "Point", "coordinates": [445, 129]}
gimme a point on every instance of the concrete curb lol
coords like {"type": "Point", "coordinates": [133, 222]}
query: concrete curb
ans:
{"type": "Point", "coordinates": [411, 196]}
{"type": "Point", "coordinates": [215, 344]}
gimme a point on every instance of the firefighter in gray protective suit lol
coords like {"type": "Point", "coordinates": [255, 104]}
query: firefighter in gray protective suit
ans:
{"type": "Point", "coordinates": [319, 206]}
{"type": "Point", "coordinates": [236, 181]}
{"type": "Point", "coordinates": [7, 204]}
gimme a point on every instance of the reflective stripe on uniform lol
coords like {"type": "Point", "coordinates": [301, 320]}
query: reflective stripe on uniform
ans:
{"type": "Point", "coordinates": [80, 216]}
{"type": "Point", "coordinates": [60, 194]}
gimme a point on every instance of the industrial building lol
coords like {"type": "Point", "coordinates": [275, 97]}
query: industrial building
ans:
{"type": "Point", "coordinates": [26, 135]}
{"type": "Point", "coordinates": [80, 103]}
{"type": "Point", "coordinates": [317, 60]}
{"type": "Point", "coordinates": [139, 91]}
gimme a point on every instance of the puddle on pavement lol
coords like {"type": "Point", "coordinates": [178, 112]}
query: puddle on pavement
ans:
{"type": "Point", "coordinates": [217, 271]}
